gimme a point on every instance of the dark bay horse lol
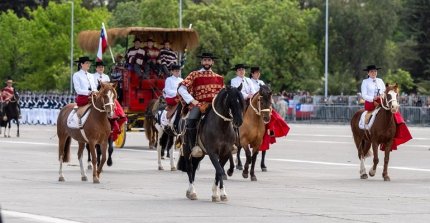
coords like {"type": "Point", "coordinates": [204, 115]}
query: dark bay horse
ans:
{"type": "Point", "coordinates": [8, 112]}
{"type": "Point", "coordinates": [256, 116]}
{"type": "Point", "coordinates": [96, 130]}
{"type": "Point", "coordinates": [217, 136]}
{"type": "Point", "coordinates": [161, 133]}
{"type": "Point", "coordinates": [382, 131]}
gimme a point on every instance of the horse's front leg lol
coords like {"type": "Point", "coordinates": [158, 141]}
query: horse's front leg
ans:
{"type": "Point", "coordinates": [90, 166]}
{"type": "Point", "coordinates": [247, 162]}
{"type": "Point", "coordinates": [17, 126]}
{"type": "Point", "coordinates": [386, 160]}
{"type": "Point", "coordinates": [170, 153]}
{"type": "Point", "coordinates": [92, 149]}
{"type": "Point", "coordinates": [191, 191]}
{"type": "Point", "coordinates": [223, 161]}
{"type": "Point", "coordinates": [159, 145]}
{"type": "Point", "coordinates": [218, 179]}
{"type": "Point", "coordinates": [231, 169]}
{"type": "Point", "coordinates": [372, 170]}
{"type": "Point", "coordinates": [103, 147]}
{"type": "Point", "coordinates": [8, 129]}
{"type": "Point", "coordinates": [110, 151]}
{"type": "Point", "coordinates": [239, 165]}
{"type": "Point", "coordinates": [253, 160]}
{"type": "Point", "coordinates": [81, 164]}
{"type": "Point", "coordinates": [263, 158]}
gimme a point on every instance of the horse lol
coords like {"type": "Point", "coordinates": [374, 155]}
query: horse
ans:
{"type": "Point", "coordinates": [8, 112]}
{"type": "Point", "coordinates": [109, 161]}
{"type": "Point", "coordinates": [216, 135]}
{"type": "Point", "coordinates": [96, 130]}
{"type": "Point", "coordinates": [256, 116]}
{"type": "Point", "coordinates": [382, 131]}
{"type": "Point", "coordinates": [161, 133]}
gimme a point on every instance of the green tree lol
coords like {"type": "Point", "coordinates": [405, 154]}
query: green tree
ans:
{"type": "Point", "coordinates": [401, 77]}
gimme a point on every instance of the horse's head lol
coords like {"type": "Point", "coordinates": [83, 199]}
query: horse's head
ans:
{"type": "Point", "coordinates": [261, 103]}
{"type": "Point", "coordinates": [105, 99]}
{"type": "Point", "coordinates": [390, 98]}
{"type": "Point", "coordinates": [234, 101]}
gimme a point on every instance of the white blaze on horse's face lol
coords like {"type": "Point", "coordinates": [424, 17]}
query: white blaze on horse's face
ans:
{"type": "Point", "coordinates": [394, 103]}
{"type": "Point", "coordinates": [109, 107]}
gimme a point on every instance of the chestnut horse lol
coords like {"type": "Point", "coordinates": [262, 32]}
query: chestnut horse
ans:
{"type": "Point", "coordinates": [382, 131]}
{"type": "Point", "coordinates": [256, 116]}
{"type": "Point", "coordinates": [96, 130]}
{"type": "Point", "coordinates": [216, 135]}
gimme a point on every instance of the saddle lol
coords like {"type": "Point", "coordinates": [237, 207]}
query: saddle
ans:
{"type": "Point", "coordinates": [78, 116]}
{"type": "Point", "coordinates": [170, 109]}
{"type": "Point", "coordinates": [367, 118]}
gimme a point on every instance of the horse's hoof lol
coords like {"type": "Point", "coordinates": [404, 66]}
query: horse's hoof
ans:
{"type": "Point", "coordinates": [160, 168]}
{"type": "Point", "coordinates": [239, 167]}
{"type": "Point", "coordinates": [372, 173]}
{"type": "Point", "coordinates": [363, 176]}
{"type": "Point", "coordinates": [172, 168]}
{"type": "Point", "coordinates": [61, 179]}
{"type": "Point", "coordinates": [230, 173]}
{"type": "Point", "coordinates": [109, 162]}
{"type": "Point", "coordinates": [90, 167]}
{"type": "Point", "coordinates": [162, 157]}
{"type": "Point", "coordinates": [387, 178]}
{"type": "Point", "coordinates": [224, 198]}
{"type": "Point", "coordinates": [253, 178]}
{"type": "Point", "coordinates": [264, 169]}
{"type": "Point", "coordinates": [8, 136]}
{"type": "Point", "coordinates": [216, 199]}
{"type": "Point", "coordinates": [96, 181]}
{"type": "Point", "coordinates": [191, 196]}
{"type": "Point", "coordinates": [84, 178]}
{"type": "Point", "coordinates": [224, 177]}
{"type": "Point", "coordinates": [245, 175]}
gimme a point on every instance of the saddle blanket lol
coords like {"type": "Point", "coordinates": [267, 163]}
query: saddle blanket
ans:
{"type": "Point", "coordinates": [362, 124]}
{"type": "Point", "coordinates": [74, 122]}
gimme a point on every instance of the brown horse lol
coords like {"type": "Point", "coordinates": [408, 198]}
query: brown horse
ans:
{"type": "Point", "coordinates": [252, 130]}
{"type": "Point", "coordinates": [382, 131]}
{"type": "Point", "coordinates": [96, 130]}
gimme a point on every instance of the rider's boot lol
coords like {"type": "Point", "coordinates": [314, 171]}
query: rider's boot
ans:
{"type": "Point", "coordinates": [196, 151]}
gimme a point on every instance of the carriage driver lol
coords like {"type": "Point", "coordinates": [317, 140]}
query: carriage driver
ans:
{"type": "Point", "coordinates": [83, 82]}
{"type": "Point", "coordinates": [248, 89]}
{"type": "Point", "coordinates": [198, 89]}
{"type": "Point", "coordinates": [8, 91]}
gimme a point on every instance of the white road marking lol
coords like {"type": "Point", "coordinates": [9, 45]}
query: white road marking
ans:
{"type": "Point", "coordinates": [35, 217]}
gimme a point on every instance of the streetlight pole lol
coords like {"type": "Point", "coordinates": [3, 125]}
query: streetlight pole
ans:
{"type": "Point", "coordinates": [71, 48]}
{"type": "Point", "coordinates": [180, 13]}
{"type": "Point", "coordinates": [326, 50]}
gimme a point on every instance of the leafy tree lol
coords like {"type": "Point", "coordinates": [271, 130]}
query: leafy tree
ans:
{"type": "Point", "coordinates": [401, 77]}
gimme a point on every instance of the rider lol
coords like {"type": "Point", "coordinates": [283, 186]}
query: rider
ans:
{"type": "Point", "coordinates": [100, 76]}
{"type": "Point", "coordinates": [248, 89]}
{"type": "Point", "coordinates": [83, 82]}
{"type": "Point", "coordinates": [255, 78]}
{"type": "Point", "coordinates": [8, 91]}
{"type": "Point", "coordinates": [170, 92]}
{"type": "Point", "coordinates": [372, 89]}
{"type": "Point", "coordinates": [198, 89]}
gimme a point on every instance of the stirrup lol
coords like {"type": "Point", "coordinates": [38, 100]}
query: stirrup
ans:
{"type": "Point", "coordinates": [196, 152]}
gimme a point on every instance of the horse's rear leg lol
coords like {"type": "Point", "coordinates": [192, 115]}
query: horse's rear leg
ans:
{"type": "Point", "coordinates": [263, 158]}
{"type": "Point", "coordinates": [223, 161]}
{"type": "Point", "coordinates": [110, 151]}
{"type": "Point", "coordinates": [170, 152]}
{"type": "Point", "coordinates": [90, 166]}
{"type": "Point", "coordinates": [81, 164]}
{"type": "Point", "coordinates": [363, 148]}
{"type": "Point", "coordinates": [231, 169]}
{"type": "Point", "coordinates": [17, 126]}
{"type": "Point", "coordinates": [253, 160]}
{"type": "Point", "coordinates": [239, 165]}
{"type": "Point", "coordinates": [247, 162]}
{"type": "Point", "coordinates": [92, 149]}
{"type": "Point", "coordinates": [103, 148]}
{"type": "Point", "coordinates": [386, 160]}
{"type": "Point", "coordinates": [375, 160]}
{"type": "Point", "coordinates": [159, 151]}
{"type": "Point", "coordinates": [8, 129]}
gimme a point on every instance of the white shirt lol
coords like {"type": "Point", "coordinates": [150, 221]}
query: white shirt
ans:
{"type": "Point", "coordinates": [100, 77]}
{"type": "Point", "coordinates": [370, 88]}
{"type": "Point", "coordinates": [84, 83]}
{"type": "Point", "coordinates": [247, 87]}
{"type": "Point", "coordinates": [183, 91]}
{"type": "Point", "coordinates": [256, 84]}
{"type": "Point", "coordinates": [171, 86]}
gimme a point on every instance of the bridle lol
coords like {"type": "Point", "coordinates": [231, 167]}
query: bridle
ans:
{"type": "Point", "coordinates": [220, 115]}
{"type": "Point", "coordinates": [259, 110]}
{"type": "Point", "coordinates": [387, 101]}
{"type": "Point", "coordinates": [111, 104]}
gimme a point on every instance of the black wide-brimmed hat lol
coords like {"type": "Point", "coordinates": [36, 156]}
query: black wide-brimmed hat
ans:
{"type": "Point", "coordinates": [254, 69]}
{"type": "Point", "coordinates": [238, 66]}
{"type": "Point", "coordinates": [175, 67]}
{"type": "Point", "coordinates": [83, 60]}
{"type": "Point", "coordinates": [207, 55]}
{"type": "Point", "coordinates": [371, 67]}
{"type": "Point", "coordinates": [100, 63]}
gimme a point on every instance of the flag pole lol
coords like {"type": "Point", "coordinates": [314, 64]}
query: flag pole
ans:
{"type": "Point", "coordinates": [110, 50]}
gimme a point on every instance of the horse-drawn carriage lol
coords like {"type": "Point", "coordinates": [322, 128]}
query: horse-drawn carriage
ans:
{"type": "Point", "coordinates": [136, 93]}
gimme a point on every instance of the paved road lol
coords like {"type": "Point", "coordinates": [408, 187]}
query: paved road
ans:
{"type": "Point", "coordinates": [313, 177]}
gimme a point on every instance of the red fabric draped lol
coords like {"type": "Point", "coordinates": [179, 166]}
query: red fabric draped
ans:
{"type": "Point", "coordinates": [402, 132]}
{"type": "Point", "coordinates": [117, 121]}
{"type": "Point", "coordinates": [278, 127]}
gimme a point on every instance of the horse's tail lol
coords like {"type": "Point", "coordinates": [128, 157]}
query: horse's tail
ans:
{"type": "Point", "coordinates": [147, 124]}
{"type": "Point", "coordinates": [65, 151]}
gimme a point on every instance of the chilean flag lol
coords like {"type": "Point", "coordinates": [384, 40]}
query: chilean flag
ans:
{"type": "Point", "coordinates": [102, 43]}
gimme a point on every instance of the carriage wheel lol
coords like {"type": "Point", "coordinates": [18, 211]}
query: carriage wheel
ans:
{"type": "Point", "coordinates": [120, 141]}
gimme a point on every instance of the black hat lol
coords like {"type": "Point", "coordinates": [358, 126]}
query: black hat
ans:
{"type": "Point", "coordinates": [149, 39]}
{"type": "Point", "coordinates": [100, 63]}
{"type": "Point", "coordinates": [166, 41]}
{"type": "Point", "coordinates": [137, 39]}
{"type": "Point", "coordinates": [175, 67]}
{"type": "Point", "coordinates": [371, 67]}
{"type": "Point", "coordinates": [207, 55]}
{"type": "Point", "coordinates": [238, 66]}
{"type": "Point", "coordinates": [254, 69]}
{"type": "Point", "coordinates": [83, 60]}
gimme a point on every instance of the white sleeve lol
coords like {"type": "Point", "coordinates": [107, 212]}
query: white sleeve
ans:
{"type": "Point", "coordinates": [251, 86]}
{"type": "Point", "coordinates": [78, 87]}
{"type": "Point", "coordinates": [381, 87]}
{"type": "Point", "coordinates": [235, 82]}
{"type": "Point", "coordinates": [364, 92]}
{"type": "Point", "coordinates": [182, 90]}
{"type": "Point", "coordinates": [92, 83]}
{"type": "Point", "coordinates": [170, 88]}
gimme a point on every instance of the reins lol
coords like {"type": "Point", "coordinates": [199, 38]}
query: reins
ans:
{"type": "Point", "coordinates": [104, 105]}
{"type": "Point", "coordinates": [259, 110]}
{"type": "Point", "coordinates": [217, 113]}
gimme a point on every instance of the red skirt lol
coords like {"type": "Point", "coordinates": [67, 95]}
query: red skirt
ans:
{"type": "Point", "coordinates": [82, 100]}
{"type": "Point", "coordinates": [172, 101]}
{"type": "Point", "coordinates": [402, 132]}
{"type": "Point", "coordinates": [117, 121]}
{"type": "Point", "coordinates": [277, 127]}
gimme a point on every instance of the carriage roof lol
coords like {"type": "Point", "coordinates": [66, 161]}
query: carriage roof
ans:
{"type": "Point", "coordinates": [179, 38]}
